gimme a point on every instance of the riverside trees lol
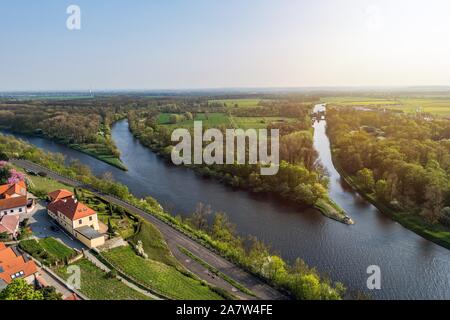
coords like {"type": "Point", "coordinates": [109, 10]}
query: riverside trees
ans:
{"type": "Point", "coordinates": [405, 164]}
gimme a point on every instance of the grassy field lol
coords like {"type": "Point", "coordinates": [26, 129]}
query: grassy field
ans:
{"type": "Point", "coordinates": [258, 122]}
{"type": "Point", "coordinates": [212, 120]}
{"type": "Point", "coordinates": [438, 105]}
{"type": "Point", "coordinates": [154, 245]}
{"type": "Point", "coordinates": [43, 184]}
{"type": "Point", "coordinates": [96, 285]}
{"type": "Point", "coordinates": [159, 276]}
{"type": "Point", "coordinates": [240, 103]}
{"type": "Point", "coordinates": [56, 248]}
{"type": "Point", "coordinates": [221, 119]}
{"type": "Point", "coordinates": [100, 152]}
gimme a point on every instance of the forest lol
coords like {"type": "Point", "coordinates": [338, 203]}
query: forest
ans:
{"type": "Point", "coordinates": [300, 179]}
{"type": "Point", "coordinates": [401, 161]}
{"type": "Point", "coordinates": [83, 125]}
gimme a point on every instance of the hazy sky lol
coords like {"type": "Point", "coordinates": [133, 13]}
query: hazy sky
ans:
{"type": "Point", "coordinates": [164, 44]}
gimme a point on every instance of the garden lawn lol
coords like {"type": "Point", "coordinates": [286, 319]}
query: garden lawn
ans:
{"type": "Point", "coordinates": [56, 248]}
{"type": "Point", "coordinates": [158, 276]}
{"type": "Point", "coordinates": [44, 184]}
{"type": "Point", "coordinates": [96, 285]}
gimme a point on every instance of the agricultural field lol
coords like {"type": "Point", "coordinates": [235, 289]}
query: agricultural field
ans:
{"type": "Point", "coordinates": [437, 105]}
{"type": "Point", "coordinates": [98, 286]}
{"type": "Point", "coordinates": [258, 122]}
{"type": "Point", "coordinates": [239, 103]}
{"type": "Point", "coordinates": [213, 120]}
{"type": "Point", "coordinates": [210, 120]}
{"type": "Point", "coordinates": [159, 276]}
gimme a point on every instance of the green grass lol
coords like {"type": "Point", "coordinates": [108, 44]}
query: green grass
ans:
{"type": "Point", "coordinates": [437, 105]}
{"type": "Point", "coordinates": [217, 272]}
{"type": "Point", "coordinates": [258, 122]}
{"type": "Point", "coordinates": [221, 119]}
{"type": "Point", "coordinates": [44, 184]}
{"type": "Point", "coordinates": [241, 103]}
{"type": "Point", "coordinates": [160, 277]}
{"type": "Point", "coordinates": [56, 248]}
{"type": "Point", "coordinates": [48, 251]}
{"type": "Point", "coordinates": [213, 120]}
{"type": "Point", "coordinates": [154, 245]}
{"type": "Point", "coordinates": [100, 152]}
{"type": "Point", "coordinates": [97, 286]}
{"type": "Point", "coordinates": [331, 210]}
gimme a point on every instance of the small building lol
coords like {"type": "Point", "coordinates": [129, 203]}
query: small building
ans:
{"type": "Point", "coordinates": [77, 218]}
{"type": "Point", "coordinates": [9, 225]}
{"type": "Point", "coordinates": [14, 265]}
{"type": "Point", "coordinates": [13, 198]}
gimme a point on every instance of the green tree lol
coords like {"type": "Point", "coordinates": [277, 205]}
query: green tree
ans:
{"type": "Point", "coordinates": [19, 289]}
{"type": "Point", "coordinates": [364, 178]}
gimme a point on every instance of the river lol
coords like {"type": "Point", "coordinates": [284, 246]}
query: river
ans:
{"type": "Point", "coordinates": [411, 267]}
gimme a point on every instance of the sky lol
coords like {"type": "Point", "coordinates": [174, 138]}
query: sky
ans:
{"type": "Point", "coordinates": [192, 44]}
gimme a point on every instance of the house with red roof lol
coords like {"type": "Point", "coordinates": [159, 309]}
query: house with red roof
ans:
{"type": "Point", "coordinates": [9, 225]}
{"type": "Point", "coordinates": [13, 198]}
{"type": "Point", "coordinates": [14, 265]}
{"type": "Point", "coordinates": [75, 217]}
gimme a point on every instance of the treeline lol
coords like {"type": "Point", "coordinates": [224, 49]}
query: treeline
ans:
{"type": "Point", "coordinates": [299, 179]}
{"type": "Point", "coordinates": [403, 161]}
{"type": "Point", "coordinates": [301, 281]}
{"type": "Point", "coordinates": [85, 127]}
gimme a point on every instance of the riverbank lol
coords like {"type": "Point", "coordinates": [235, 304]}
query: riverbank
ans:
{"type": "Point", "coordinates": [325, 206]}
{"type": "Point", "coordinates": [435, 233]}
{"type": "Point", "coordinates": [97, 151]}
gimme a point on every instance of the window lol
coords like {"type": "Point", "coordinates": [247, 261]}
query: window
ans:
{"type": "Point", "coordinates": [20, 210]}
{"type": "Point", "coordinates": [90, 218]}
{"type": "Point", "coordinates": [12, 210]}
{"type": "Point", "coordinates": [80, 221]}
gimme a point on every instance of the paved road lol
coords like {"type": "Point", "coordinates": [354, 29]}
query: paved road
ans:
{"type": "Point", "coordinates": [175, 238]}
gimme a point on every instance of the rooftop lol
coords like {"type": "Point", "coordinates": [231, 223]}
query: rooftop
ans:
{"type": "Point", "coordinates": [60, 194]}
{"type": "Point", "coordinates": [89, 233]}
{"type": "Point", "coordinates": [71, 208]}
{"type": "Point", "coordinates": [13, 265]}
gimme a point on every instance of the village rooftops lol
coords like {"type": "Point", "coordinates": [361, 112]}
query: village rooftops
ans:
{"type": "Point", "coordinates": [13, 265]}
{"type": "Point", "coordinates": [15, 202]}
{"type": "Point", "coordinates": [9, 224]}
{"type": "Point", "coordinates": [13, 190]}
{"type": "Point", "coordinates": [13, 195]}
{"type": "Point", "coordinates": [60, 194]}
{"type": "Point", "coordinates": [71, 208]}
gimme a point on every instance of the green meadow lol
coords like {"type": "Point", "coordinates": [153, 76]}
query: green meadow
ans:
{"type": "Point", "coordinates": [437, 105]}
{"type": "Point", "coordinates": [213, 120]}
{"type": "Point", "coordinates": [240, 103]}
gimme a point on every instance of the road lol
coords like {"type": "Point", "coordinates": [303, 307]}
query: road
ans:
{"type": "Point", "coordinates": [175, 239]}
